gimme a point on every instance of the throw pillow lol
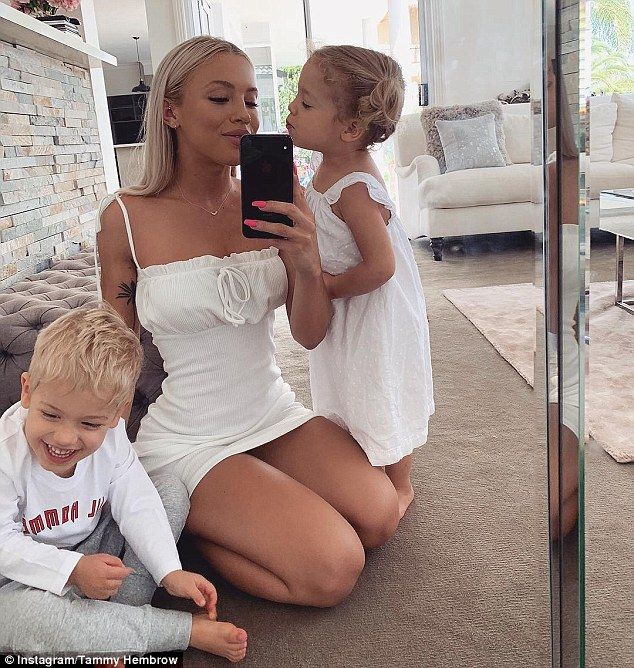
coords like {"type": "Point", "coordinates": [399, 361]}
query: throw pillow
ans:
{"type": "Point", "coordinates": [470, 143]}
{"type": "Point", "coordinates": [518, 132]}
{"type": "Point", "coordinates": [602, 120]}
{"type": "Point", "coordinates": [429, 116]}
{"type": "Point", "coordinates": [623, 137]}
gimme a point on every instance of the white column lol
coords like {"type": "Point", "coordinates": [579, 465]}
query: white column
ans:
{"type": "Point", "coordinates": [400, 38]}
{"type": "Point", "coordinates": [370, 33]}
{"type": "Point", "coordinates": [183, 20]}
{"type": "Point", "coordinates": [89, 22]}
{"type": "Point", "coordinates": [431, 17]}
{"type": "Point", "coordinates": [161, 28]}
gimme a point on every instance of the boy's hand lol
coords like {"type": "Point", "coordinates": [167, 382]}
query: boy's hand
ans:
{"type": "Point", "coordinates": [193, 586]}
{"type": "Point", "coordinates": [99, 575]}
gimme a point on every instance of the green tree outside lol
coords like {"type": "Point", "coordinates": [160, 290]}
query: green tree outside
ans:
{"type": "Point", "coordinates": [288, 87]}
{"type": "Point", "coordinates": [612, 46]}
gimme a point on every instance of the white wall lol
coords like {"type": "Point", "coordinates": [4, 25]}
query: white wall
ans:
{"type": "Point", "coordinates": [487, 48]}
{"type": "Point", "coordinates": [286, 23]}
{"type": "Point", "coordinates": [120, 80]}
{"type": "Point", "coordinates": [161, 29]}
{"type": "Point", "coordinates": [348, 26]}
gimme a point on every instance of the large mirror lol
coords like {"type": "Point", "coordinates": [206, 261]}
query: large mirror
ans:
{"type": "Point", "coordinates": [609, 103]}
{"type": "Point", "coordinates": [522, 241]}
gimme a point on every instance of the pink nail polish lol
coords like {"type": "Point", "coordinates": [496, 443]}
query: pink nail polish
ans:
{"type": "Point", "coordinates": [250, 223]}
{"type": "Point", "coordinates": [259, 203]}
{"type": "Point", "coordinates": [294, 168]}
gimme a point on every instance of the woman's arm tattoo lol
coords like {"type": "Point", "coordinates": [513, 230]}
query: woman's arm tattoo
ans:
{"type": "Point", "coordinates": [128, 292]}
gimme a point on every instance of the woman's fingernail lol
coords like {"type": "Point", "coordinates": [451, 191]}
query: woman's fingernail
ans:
{"type": "Point", "coordinates": [294, 168]}
{"type": "Point", "coordinates": [259, 203]}
{"type": "Point", "coordinates": [250, 223]}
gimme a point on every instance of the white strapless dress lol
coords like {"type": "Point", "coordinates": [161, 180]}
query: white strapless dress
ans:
{"type": "Point", "coordinates": [211, 319]}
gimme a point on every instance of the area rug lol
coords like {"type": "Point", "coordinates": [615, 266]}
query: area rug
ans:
{"type": "Point", "coordinates": [506, 316]}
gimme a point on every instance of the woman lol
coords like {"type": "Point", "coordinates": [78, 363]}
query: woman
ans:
{"type": "Point", "coordinates": [282, 502]}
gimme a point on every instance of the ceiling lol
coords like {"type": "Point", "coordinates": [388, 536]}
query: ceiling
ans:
{"type": "Point", "coordinates": [117, 22]}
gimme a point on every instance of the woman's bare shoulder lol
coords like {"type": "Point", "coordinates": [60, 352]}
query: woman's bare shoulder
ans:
{"type": "Point", "coordinates": [135, 206]}
{"type": "Point", "coordinates": [110, 217]}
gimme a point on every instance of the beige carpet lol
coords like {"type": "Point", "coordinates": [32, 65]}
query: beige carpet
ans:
{"type": "Point", "coordinates": [464, 582]}
{"type": "Point", "coordinates": [505, 315]}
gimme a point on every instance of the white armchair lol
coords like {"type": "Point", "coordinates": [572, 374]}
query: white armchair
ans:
{"type": "Point", "coordinates": [504, 199]}
{"type": "Point", "coordinates": [471, 201]}
{"type": "Point", "coordinates": [409, 177]}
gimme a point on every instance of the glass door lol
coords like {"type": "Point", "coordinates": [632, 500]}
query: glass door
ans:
{"type": "Point", "coordinates": [608, 98]}
{"type": "Point", "coordinates": [565, 123]}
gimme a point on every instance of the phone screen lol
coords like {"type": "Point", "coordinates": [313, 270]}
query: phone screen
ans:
{"type": "Point", "coordinates": [266, 172]}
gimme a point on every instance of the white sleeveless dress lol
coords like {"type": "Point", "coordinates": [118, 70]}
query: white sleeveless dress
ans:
{"type": "Point", "coordinates": [372, 372]}
{"type": "Point", "coordinates": [211, 319]}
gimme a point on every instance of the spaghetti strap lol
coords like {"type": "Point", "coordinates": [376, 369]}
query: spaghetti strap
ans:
{"type": "Point", "coordinates": [105, 203]}
{"type": "Point", "coordinates": [128, 229]}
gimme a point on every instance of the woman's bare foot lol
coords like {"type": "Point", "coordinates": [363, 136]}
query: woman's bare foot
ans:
{"type": "Point", "coordinates": [221, 638]}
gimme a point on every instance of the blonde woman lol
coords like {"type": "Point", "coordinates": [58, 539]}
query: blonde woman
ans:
{"type": "Point", "coordinates": [282, 502]}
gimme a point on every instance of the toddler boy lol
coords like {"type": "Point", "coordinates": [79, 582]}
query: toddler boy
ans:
{"type": "Point", "coordinates": [84, 534]}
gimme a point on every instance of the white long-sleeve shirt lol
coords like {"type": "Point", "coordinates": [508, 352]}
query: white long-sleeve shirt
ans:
{"type": "Point", "coordinates": [43, 516]}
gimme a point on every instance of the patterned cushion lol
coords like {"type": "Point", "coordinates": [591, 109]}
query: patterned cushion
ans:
{"type": "Point", "coordinates": [36, 301]}
{"type": "Point", "coordinates": [469, 143]}
{"type": "Point", "coordinates": [429, 116]}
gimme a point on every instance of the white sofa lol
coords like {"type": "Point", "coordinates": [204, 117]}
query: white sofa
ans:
{"type": "Point", "coordinates": [611, 143]}
{"type": "Point", "coordinates": [494, 199]}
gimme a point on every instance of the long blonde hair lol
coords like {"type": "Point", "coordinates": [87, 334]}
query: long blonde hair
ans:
{"type": "Point", "coordinates": [160, 148]}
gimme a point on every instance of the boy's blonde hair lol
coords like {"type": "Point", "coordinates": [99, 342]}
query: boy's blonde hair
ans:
{"type": "Point", "coordinates": [367, 86]}
{"type": "Point", "coordinates": [89, 349]}
{"type": "Point", "coordinates": [168, 83]}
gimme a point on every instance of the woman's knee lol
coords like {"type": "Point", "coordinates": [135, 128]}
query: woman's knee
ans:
{"type": "Point", "coordinates": [378, 519]}
{"type": "Point", "coordinates": [330, 577]}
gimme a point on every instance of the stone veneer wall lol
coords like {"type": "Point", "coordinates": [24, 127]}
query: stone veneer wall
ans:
{"type": "Point", "coordinates": [51, 167]}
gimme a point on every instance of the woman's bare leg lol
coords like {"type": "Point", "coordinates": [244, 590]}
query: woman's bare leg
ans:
{"type": "Point", "coordinates": [327, 460]}
{"type": "Point", "coordinates": [562, 512]}
{"type": "Point", "coordinates": [271, 536]}
{"type": "Point", "coordinates": [399, 474]}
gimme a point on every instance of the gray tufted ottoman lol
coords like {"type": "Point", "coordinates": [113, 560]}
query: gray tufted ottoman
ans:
{"type": "Point", "coordinates": [31, 304]}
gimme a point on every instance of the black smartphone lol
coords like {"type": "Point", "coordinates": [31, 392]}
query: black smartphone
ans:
{"type": "Point", "coordinates": [266, 173]}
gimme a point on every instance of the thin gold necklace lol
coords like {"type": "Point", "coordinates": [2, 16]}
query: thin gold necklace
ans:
{"type": "Point", "coordinates": [200, 206]}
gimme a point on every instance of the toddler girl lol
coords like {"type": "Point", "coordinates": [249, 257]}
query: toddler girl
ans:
{"type": "Point", "coordinates": [372, 372]}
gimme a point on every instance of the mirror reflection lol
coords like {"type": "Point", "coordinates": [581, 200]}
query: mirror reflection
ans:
{"type": "Point", "coordinates": [609, 415]}
{"type": "Point", "coordinates": [318, 549]}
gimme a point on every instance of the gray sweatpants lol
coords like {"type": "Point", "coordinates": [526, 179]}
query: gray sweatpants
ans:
{"type": "Point", "coordinates": [35, 621]}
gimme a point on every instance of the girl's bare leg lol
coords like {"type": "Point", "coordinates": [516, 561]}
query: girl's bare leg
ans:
{"type": "Point", "coordinates": [273, 537]}
{"type": "Point", "coordinates": [399, 474]}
